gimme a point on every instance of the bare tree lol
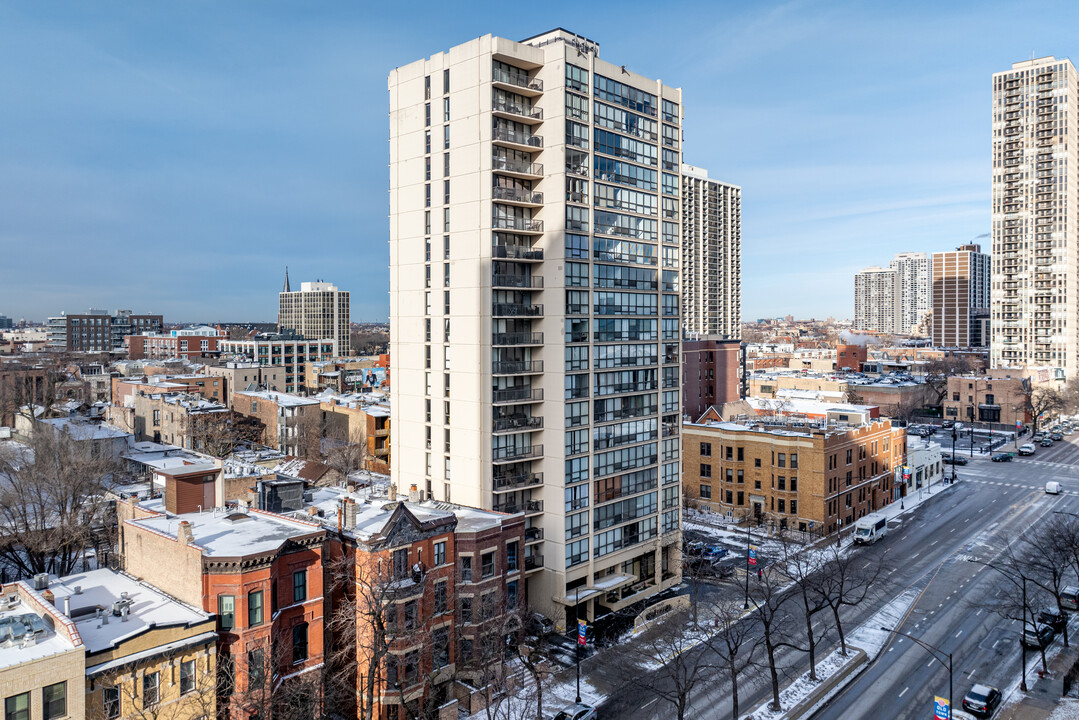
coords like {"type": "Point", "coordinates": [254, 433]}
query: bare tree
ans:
{"type": "Point", "coordinates": [673, 646]}
{"type": "Point", "coordinates": [735, 641]}
{"type": "Point", "coordinates": [52, 505]}
{"type": "Point", "coordinates": [1019, 598]}
{"type": "Point", "coordinates": [147, 695]}
{"type": "Point", "coordinates": [1042, 401]}
{"type": "Point", "coordinates": [804, 568]}
{"type": "Point", "coordinates": [219, 433]}
{"type": "Point", "coordinates": [1048, 552]}
{"type": "Point", "coordinates": [772, 614]}
{"type": "Point", "coordinates": [844, 582]}
{"type": "Point", "coordinates": [344, 449]}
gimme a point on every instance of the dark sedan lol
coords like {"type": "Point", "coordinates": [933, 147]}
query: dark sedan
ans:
{"type": "Point", "coordinates": [1002, 457]}
{"type": "Point", "coordinates": [982, 700]}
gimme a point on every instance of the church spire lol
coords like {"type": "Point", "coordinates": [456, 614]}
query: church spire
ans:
{"type": "Point", "coordinates": [287, 288]}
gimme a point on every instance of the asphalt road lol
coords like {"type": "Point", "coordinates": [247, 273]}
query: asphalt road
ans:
{"type": "Point", "coordinates": [993, 503]}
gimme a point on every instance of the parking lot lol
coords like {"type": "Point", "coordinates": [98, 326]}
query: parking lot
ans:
{"type": "Point", "coordinates": [983, 441]}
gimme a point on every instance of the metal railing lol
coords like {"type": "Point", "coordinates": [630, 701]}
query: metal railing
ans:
{"type": "Point", "coordinates": [516, 453]}
{"type": "Point", "coordinates": [509, 136]}
{"type": "Point", "coordinates": [517, 395]}
{"type": "Point", "coordinates": [516, 252]}
{"type": "Point", "coordinates": [514, 108]}
{"type": "Point", "coordinates": [517, 338]}
{"type": "Point", "coordinates": [517, 281]}
{"type": "Point", "coordinates": [519, 422]}
{"type": "Point", "coordinates": [516, 310]}
{"type": "Point", "coordinates": [516, 367]}
{"type": "Point", "coordinates": [513, 481]}
{"type": "Point", "coordinates": [517, 195]}
{"type": "Point", "coordinates": [517, 166]}
{"type": "Point", "coordinates": [519, 79]}
{"type": "Point", "coordinates": [513, 223]}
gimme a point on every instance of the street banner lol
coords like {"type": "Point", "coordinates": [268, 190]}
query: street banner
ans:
{"type": "Point", "coordinates": [942, 709]}
{"type": "Point", "coordinates": [582, 631]}
{"type": "Point", "coordinates": [752, 555]}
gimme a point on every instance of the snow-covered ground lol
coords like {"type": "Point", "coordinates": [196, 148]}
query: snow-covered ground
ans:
{"type": "Point", "coordinates": [1067, 709]}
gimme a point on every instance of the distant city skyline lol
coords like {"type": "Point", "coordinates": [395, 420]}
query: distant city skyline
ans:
{"type": "Point", "coordinates": [173, 159]}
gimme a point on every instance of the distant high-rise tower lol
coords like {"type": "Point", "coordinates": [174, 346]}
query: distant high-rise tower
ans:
{"type": "Point", "coordinates": [914, 271]}
{"type": "Point", "coordinates": [535, 311]}
{"type": "Point", "coordinates": [711, 255]}
{"type": "Point", "coordinates": [960, 297]}
{"type": "Point", "coordinates": [319, 311]}
{"type": "Point", "coordinates": [1035, 299]}
{"type": "Point", "coordinates": [877, 300]}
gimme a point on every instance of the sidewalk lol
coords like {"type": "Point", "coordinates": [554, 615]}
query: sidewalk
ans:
{"type": "Point", "coordinates": [1044, 694]}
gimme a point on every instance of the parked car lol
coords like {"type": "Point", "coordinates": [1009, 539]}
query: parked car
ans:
{"type": "Point", "coordinates": [1002, 457]}
{"type": "Point", "coordinates": [1039, 636]}
{"type": "Point", "coordinates": [948, 424]}
{"type": "Point", "coordinates": [577, 711]}
{"type": "Point", "coordinates": [1053, 618]}
{"type": "Point", "coordinates": [982, 700]}
{"type": "Point", "coordinates": [1056, 436]}
{"type": "Point", "coordinates": [540, 624]}
{"type": "Point", "coordinates": [1027, 449]}
{"type": "Point", "coordinates": [1047, 443]}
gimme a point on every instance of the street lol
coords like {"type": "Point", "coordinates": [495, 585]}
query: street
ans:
{"type": "Point", "coordinates": [991, 505]}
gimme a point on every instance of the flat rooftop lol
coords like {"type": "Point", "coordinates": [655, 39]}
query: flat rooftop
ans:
{"type": "Point", "coordinates": [235, 533]}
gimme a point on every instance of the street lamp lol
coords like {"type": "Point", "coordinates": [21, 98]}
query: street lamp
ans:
{"type": "Point", "coordinates": [577, 617]}
{"type": "Point", "coordinates": [1023, 627]}
{"type": "Point", "coordinates": [749, 532]}
{"type": "Point", "coordinates": [935, 652]}
{"type": "Point", "coordinates": [955, 434]}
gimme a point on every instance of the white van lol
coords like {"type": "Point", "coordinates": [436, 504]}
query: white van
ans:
{"type": "Point", "coordinates": [1052, 487]}
{"type": "Point", "coordinates": [870, 529]}
{"type": "Point", "coordinates": [1069, 598]}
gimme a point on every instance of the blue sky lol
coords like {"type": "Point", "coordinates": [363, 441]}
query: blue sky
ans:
{"type": "Point", "coordinates": [175, 156]}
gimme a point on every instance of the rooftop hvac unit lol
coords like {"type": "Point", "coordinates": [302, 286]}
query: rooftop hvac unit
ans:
{"type": "Point", "coordinates": [41, 581]}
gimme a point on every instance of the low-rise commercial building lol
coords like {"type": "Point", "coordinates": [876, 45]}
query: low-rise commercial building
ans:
{"type": "Point", "coordinates": [813, 476]}
{"type": "Point", "coordinates": [190, 343]}
{"type": "Point", "coordinates": [923, 468]}
{"type": "Point", "coordinates": [999, 396]}
{"type": "Point", "coordinates": [288, 351]}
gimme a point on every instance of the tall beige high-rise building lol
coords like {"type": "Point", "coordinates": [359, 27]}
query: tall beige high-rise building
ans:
{"type": "Point", "coordinates": [960, 297]}
{"type": "Point", "coordinates": [1035, 212]}
{"type": "Point", "coordinates": [878, 300]}
{"type": "Point", "coordinates": [318, 311]}
{"type": "Point", "coordinates": [711, 255]}
{"type": "Point", "coordinates": [914, 271]}
{"type": "Point", "coordinates": [535, 311]}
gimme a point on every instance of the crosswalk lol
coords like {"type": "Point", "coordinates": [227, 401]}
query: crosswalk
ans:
{"type": "Point", "coordinates": [1055, 465]}
{"type": "Point", "coordinates": [1025, 486]}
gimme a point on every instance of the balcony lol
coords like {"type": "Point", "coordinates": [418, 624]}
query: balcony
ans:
{"type": "Point", "coordinates": [519, 83]}
{"type": "Point", "coordinates": [516, 454]}
{"type": "Point", "coordinates": [516, 140]}
{"type": "Point", "coordinates": [508, 482]}
{"type": "Point", "coordinates": [520, 112]}
{"type": "Point", "coordinates": [510, 251]}
{"type": "Point", "coordinates": [517, 282]}
{"type": "Point", "coordinates": [533, 534]}
{"type": "Point", "coordinates": [517, 395]}
{"type": "Point", "coordinates": [522, 225]}
{"type": "Point", "coordinates": [517, 423]}
{"type": "Point", "coordinates": [533, 562]}
{"type": "Point", "coordinates": [517, 338]}
{"type": "Point", "coordinates": [516, 168]}
{"type": "Point", "coordinates": [517, 196]}
{"type": "Point", "coordinates": [516, 367]}
{"type": "Point", "coordinates": [516, 310]}
{"type": "Point", "coordinates": [533, 507]}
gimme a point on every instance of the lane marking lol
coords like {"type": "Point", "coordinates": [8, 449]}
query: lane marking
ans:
{"type": "Point", "coordinates": [904, 691]}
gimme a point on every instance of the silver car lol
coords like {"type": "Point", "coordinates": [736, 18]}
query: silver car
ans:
{"type": "Point", "coordinates": [577, 711]}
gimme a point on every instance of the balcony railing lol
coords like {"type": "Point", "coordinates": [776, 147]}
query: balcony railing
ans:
{"type": "Point", "coordinates": [520, 422]}
{"type": "Point", "coordinates": [512, 454]}
{"type": "Point", "coordinates": [516, 166]}
{"type": "Point", "coordinates": [502, 280]}
{"type": "Point", "coordinates": [516, 367]}
{"type": "Point", "coordinates": [520, 195]}
{"type": "Point", "coordinates": [517, 338]}
{"type": "Point", "coordinates": [521, 80]}
{"type": "Point", "coordinates": [533, 562]}
{"type": "Point", "coordinates": [513, 481]}
{"type": "Point", "coordinates": [533, 534]}
{"type": "Point", "coordinates": [513, 395]}
{"type": "Point", "coordinates": [533, 506]}
{"type": "Point", "coordinates": [517, 138]}
{"type": "Point", "coordinates": [519, 224]}
{"type": "Point", "coordinates": [516, 252]}
{"type": "Point", "coordinates": [515, 108]}
{"type": "Point", "coordinates": [516, 310]}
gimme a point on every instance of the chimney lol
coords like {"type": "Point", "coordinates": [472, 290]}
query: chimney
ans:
{"type": "Point", "coordinates": [413, 494]}
{"type": "Point", "coordinates": [67, 605]}
{"type": "Point", "coordinates": [184, 535]}
{"type": "Point", "coordinates": [393, 492]}
{"type": "Point", "coordinates": [350, 487]}
{"type": "Point", "coordinates": [350, 514]}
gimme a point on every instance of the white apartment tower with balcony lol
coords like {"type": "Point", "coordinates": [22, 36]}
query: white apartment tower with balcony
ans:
{"type": "Point", "coordinates": [1035, 289]}
{"type": "Point", "coordinates": [535, 309]}
{"type": "Point", "coordinates": [711, 256]}
{"type": "Point", "coordinates": [914, 272]}
{"type": "Point", "coordinates": [877, 300]}
{"type": "Point", "coordinates": [319, 311]}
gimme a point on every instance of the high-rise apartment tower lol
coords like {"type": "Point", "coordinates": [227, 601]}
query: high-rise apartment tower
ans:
{"type": "Point", "coordinates": [877, 300]}
{"type": "Point", "coordinates": [1035, 212]}
{"type": "Point", "coordinates": [960, 297]}
{"type": "Point", "coordinates": [711, 255]}
{"type": "Point", "coordinates": [535, 308]}
{"type": "Point", "coordinates": [319, 311]}
{"type": "Point", "coordinates": [914, 271]}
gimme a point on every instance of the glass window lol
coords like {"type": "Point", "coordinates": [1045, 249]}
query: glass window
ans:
{"type": "Point", "coordinates": [511, 595]}
{"type": "Point", "coordinates": [187, 676]}
{"type": "Point", "coordinates": [487, 564]}
{"type": "Point", "coordinates": [576, 552]}
{"type": "Point", "coordinates": [110, 702]}
{"type": "Point", "coordinates": [299, 586]}
{"type": "Point", "coordinates": [151, 686]}
{"type": "Point", "coordinates": [299, 643]}
{"type": "Point", "coordinates": [440, 553]}
{"type": "Point", "coordinates": [465, 604]}
{"type": "Point", "coordinates": [511, 556]}
{"type": "Point", "coordinates": [256, 667]}
{"type": "Point", "coordinates": [17, 707]}
{"type": "Point", "coordinates": [254, 608]}
{"type": "Point", "coordinates": [576, 497]}
{"type": "Point", "coordinates": [466, 568]}
{"type": "Point", "coordinates": [440, 598]}
{"type": "Point", "coordinates": [54, 701]}
{"type": "Point", "coordinates": [226, 612]}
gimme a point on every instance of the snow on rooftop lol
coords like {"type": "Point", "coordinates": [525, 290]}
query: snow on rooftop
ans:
{"type": "Point", "coordinates": [280, 398]}
{"type": "Point", "coordinates": [41, 627]}
{"type": "Point", "coordinates": [149, 608]}
{"type": "Point", "coordinates": [82, 430]}
{"type": "Point", "coordinates": [232, 533]}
